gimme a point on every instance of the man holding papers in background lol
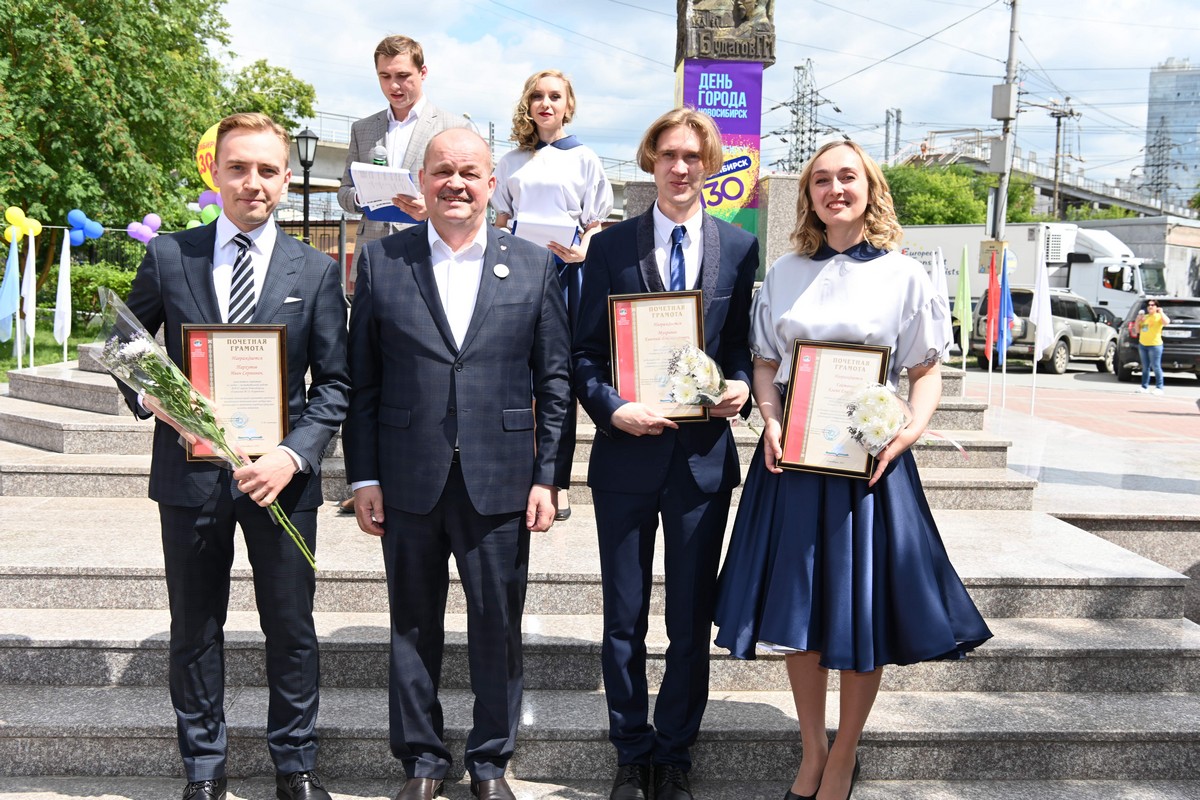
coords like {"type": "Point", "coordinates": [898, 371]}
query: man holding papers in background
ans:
{"type": "Point", "coordinates": [395, 137]}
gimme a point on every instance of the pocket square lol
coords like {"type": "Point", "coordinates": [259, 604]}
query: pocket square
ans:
{"type": "Point", "coordinates": [294, 300]}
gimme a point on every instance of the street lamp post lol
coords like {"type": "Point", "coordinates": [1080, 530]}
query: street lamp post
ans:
{"type": "Point", "coordinates": [306, 151]}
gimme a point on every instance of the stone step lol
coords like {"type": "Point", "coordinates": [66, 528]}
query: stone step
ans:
{"type": "Point", "coordinates": [983, 451]}
{"type": "Point", "coordinates": [89, 358]}
{"type": "Point", "coordinates": [352, 788]}
{"type": "Point", "coordinates": [120, 647]}
{"type": "Point", "coordinates": [1015, 563]}
{"type": "Point", "coordinates": [71, 430]}
{"type": "Point", "coordinates": [563, 735]}
{"type": "Point", "coordinates": [68, 386]}
{"type": "Point", "coordinates": [995, 489]}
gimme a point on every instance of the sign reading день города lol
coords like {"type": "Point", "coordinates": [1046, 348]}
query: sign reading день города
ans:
{"type": "Point", "coordinates": [731, 93]}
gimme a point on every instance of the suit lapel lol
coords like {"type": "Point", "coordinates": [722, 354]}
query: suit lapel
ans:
{"type": "Point", "coordinates": [378, 132]}
{"type": "Point", "coordinates": [286, 259]}
{"type": "Point", "coordinates": [710, 266]}
{"type": "Point", "coordinates": [495, 253]}
{"type": "Point", "coordinates": [645, 248]}
{"type": "Point", "coordinates": [422, 267]}
{"type": "Point", "coordinates": [422, 130]}
{"type": "Point", "coordinates": [196, 252]}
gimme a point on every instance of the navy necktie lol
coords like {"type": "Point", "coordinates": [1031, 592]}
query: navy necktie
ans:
{"type": "Point", "coordinates": [678, 271]}
{"type": "Point", "coordinates": [241, 289]}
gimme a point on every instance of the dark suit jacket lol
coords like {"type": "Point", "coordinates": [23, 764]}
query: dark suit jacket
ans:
{"type": "Point", "coordinates": [415, 393]}
{"type": "Point", "coordinates": [620, 260]}
{"type": "Point", "coordinates": [174, 285]}
{"type": "Point", "coordinates": [371, 131]}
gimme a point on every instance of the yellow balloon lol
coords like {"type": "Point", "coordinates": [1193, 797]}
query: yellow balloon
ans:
{"type": "Point", "coordinates": [13, 234]}
{"type": "Point", "coordinates": [206, 152]}
{"type": "Point", "coordinates": [32, 227]}
{"type": "Point", "coordinates": [14, 215]}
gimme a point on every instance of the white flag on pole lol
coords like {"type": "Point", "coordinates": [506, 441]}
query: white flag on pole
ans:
{"type": "Point", "coordinates": [938, 277]}
{"type": "Point", "coordinates": [1040, 314]}
{"type": "Point", "coordinates": [29, 295]}
{"type": "Point", "coordinates": [62, 300]}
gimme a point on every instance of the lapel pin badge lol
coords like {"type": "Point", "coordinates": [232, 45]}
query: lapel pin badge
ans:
{"type": "Point", "coordinates": [501, 271]}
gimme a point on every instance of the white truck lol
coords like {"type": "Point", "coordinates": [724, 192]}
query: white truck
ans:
{"type": "Point", "coordinates": [1091, 263]}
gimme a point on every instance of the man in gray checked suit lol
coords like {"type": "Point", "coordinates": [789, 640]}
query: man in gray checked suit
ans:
{"type": "Point", "coordinates": [402, 130]}
{"type": "Point", "coordinates": [459, 351]}
{"type": "Point", "coordinates": [244, 268]}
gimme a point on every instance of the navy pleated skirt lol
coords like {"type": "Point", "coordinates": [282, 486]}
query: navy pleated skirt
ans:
{"type": "Point", "coordinates": [859, 574]}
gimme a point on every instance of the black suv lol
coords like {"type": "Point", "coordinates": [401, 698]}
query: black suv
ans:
{"type": "Point", "coordinates": [1181, 339]}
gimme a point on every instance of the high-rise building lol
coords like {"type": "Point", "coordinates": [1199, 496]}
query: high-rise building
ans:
{"type": "Point", "coordinates": [1172, 167]}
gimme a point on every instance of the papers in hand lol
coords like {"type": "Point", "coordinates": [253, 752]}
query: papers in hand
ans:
{"type": "Point", "coordinates": [542, 233]}
{"type": "Point", "coordinates": [376, 185]}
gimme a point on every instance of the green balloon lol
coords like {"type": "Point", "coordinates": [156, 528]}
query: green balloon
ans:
{"type": "Point", "coordinates": [193, 223]}
{"type": "Point", "coordinates": [209, 213]}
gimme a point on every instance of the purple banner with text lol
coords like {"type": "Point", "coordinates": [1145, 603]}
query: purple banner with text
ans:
{"type": "Point", "coordinates": [731, 93]}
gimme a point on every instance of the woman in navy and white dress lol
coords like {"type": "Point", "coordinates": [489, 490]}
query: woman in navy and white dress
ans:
{"type": "Point", "coordinates": [837, 572]}
{"type": "Point", "coordinates": [553, 178]}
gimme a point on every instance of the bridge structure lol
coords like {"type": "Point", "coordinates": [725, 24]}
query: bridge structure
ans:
{"type": "Point", "coordinates": [972, 148]}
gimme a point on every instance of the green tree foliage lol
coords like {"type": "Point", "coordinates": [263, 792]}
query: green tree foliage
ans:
{"type": "Point", "coordinates": [274, 91]}
{"type": "Point", "coordinates": [102, 104]}
{"type": "Point", "coordinates": [935, 195]}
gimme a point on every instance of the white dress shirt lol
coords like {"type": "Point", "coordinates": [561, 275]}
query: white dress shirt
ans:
{"type": "Point", "coordinates": [693, 247]}
{"type": "Point", "coordinates": [457, 276]}
{"type": "Point", "coordinates": [400, 131]}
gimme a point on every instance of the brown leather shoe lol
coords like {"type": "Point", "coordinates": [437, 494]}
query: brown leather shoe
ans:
{"type": "Point", "coordinates": [494, 789]}
{"type": "Point", "coordinates": [420, 789]}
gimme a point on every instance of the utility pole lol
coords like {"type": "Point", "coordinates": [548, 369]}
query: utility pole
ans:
{"type": "Point", "coordinates": [1004, 108]}
{"type": "Point", "coordinates": [896, 137]}
{"type": "Point", "coordinates": [887, 137]}
{"type": "Point", "coordinates": [1060, 113]}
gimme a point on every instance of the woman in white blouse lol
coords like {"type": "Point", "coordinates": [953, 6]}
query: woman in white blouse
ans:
{"type": "Point", "coordinates": [553, 179]}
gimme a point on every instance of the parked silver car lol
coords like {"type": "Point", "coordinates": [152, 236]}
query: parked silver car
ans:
{"type": "Point", "coordinates": [1079, 334]}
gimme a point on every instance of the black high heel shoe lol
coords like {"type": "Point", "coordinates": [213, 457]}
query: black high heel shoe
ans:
{"type": "Point", "coordinates": [793, 796]}
{"type": "Point", "coordinates": [853, 777]}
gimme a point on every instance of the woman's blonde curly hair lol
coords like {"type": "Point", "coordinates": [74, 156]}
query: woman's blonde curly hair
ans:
{"type": "Point", "coordinates": [524, 132]}
{"type": "Point", "coordinates": [882, 228]}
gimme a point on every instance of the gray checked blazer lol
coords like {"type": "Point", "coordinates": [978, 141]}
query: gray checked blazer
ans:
{"type": "Point", "coordinates": [370, 132]}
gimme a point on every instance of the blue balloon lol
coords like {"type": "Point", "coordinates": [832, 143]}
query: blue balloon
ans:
{"type": "Point", "coordinates": [93, 229]}
{"type": "Point", "coordinates": [76, 218]}
{"type": "Point", "coordinates": [76, 237]}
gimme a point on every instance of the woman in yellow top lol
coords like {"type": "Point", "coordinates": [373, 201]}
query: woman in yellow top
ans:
{"type": "Point", "coordinates": [1149, 325]}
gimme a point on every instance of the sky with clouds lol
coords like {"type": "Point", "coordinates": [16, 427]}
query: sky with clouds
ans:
{"type": "Point", "coordinates": [934, 60]}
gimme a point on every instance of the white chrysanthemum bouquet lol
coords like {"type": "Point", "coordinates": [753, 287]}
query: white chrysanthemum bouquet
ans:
{"type": "Point", "coordinates": [694, 378]}
{"type": "Point", "coordinates": [876, 416]}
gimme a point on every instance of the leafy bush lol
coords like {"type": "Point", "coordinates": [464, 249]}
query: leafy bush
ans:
{"type": "Point", "coordinates": [86, 280]}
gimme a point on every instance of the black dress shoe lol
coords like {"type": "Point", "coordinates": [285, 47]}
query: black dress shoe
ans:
{"type": "Point", "coordinates": [420, 789]}
{"type": "Point", "coordinates": [213, 789]}
{"type": "Point", "coordinates": [493, 789]}
{"type": "Point", "coordinates": [632, 783]}
{"type": "Point", "coordinates": [300, 786]}
{"type": "Point", "coordinates": [671, 783]}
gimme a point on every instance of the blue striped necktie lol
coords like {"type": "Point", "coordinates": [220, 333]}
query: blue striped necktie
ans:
{"type": "Point", "coordinates": [241, 290]}
{"type": "Point", "coordinates": [678, 271]}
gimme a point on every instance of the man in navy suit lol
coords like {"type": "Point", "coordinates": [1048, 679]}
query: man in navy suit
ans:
{"type": "Point", "coordinates": [644, 465]}
{"type": "Point", "coordinates": [193, 276]}
{"type": "Point", "coordinates": [459, 362]}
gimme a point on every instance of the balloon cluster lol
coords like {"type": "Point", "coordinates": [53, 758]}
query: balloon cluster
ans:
{"type": "Point", "coordinates": [19, 225]}
{"type": "Point", "coordinates": [145, 230]}
{"type": "Point", "coordinates": [210, 208]}
{"type": "Point", "coordinates": [82, 227]}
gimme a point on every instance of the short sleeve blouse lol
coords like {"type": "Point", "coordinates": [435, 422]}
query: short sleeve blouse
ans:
{"type": "Point", "coordinates": [553, 185]}
{"type": "Point", "coordinates": [862, 296]}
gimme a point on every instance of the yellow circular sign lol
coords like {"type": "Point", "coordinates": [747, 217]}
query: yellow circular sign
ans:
{"type": "Point", "coordinates": [206, 151]}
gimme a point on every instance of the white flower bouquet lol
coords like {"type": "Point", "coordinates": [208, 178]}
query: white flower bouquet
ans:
{"type": "Point", "coordinates": [876, 416]}
{"type": "Point", "coordinates": [132, 355]}
{"type": "Point", "coordinates": [694, 378]}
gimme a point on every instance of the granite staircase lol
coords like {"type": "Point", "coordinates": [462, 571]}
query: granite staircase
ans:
{"type": "Point", "coordinates": [1091, 688]}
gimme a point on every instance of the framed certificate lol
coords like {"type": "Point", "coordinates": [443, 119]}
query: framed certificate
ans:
{"type": "Point", "coordinates": [816, 433]}
{"type": "Point", "coordinates": [644, 330]}
{"type": "Point", "coordinates": [242, 369]}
